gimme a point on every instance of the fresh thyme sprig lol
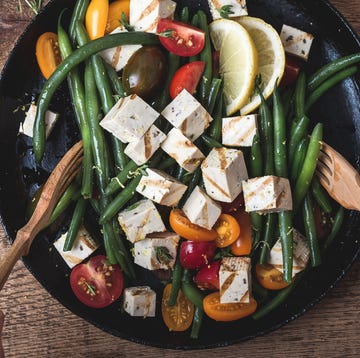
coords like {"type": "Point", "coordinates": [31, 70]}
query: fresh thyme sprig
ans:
{"type": "Point", "coordinates": [34, 5]}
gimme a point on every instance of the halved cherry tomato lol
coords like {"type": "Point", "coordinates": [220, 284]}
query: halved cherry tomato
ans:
{"type": "Point", "coordinates": [234, 206]}
{"type": "Point", "coordinates": [270, 278]}
{"type": "Point", "coordinates": [243, 244]}
{"type": "Point", "coordinates": [116, 9]}
{"type": "Point", "coordinates": [96, 18]}
{"type": "Point", "coordinates": [48, 53]}
{"type": "Point", "coordinates": [228, 230]}
{"type": "Point", "coordinates": [178, 317]}
{"type": "Point", "coordinates": [186, 77]}
{"type": "Point", "coordinates": [292, 69]}
{"type": "Point", "coordinates": [180, 38]}
{"type": "Point", "coordinates": [185, 228]}
{"type": "Point", "coordinates": [227, 311]}
{"type": "Point", "coordinates": [96, 283]}
{"type": "Point", "coordinates": [208, 276]}
{"type": "Point", "coordinates": [196, 254]}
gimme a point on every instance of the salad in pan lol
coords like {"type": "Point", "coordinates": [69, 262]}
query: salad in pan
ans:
{"type": "Point", "coordinates": [199, 157]}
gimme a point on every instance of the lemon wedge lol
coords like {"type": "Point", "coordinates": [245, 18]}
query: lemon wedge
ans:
{"type": "Point", "coordinates": [271, 57]}
{"type": "Point", "coordinates": [238, 62]}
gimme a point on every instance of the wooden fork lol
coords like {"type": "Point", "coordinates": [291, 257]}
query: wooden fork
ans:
{"type": "Point", "coordinates": [340, 179]}
{"type": "Point", "coordinates": [60, 178]}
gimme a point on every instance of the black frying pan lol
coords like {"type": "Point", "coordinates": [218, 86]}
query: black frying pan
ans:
{"type": "Point", "coordinates": [21, 82]}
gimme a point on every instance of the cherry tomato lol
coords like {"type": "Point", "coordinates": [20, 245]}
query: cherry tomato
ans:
{"type": "Point", "coordinates": [243, 244]}
{"type": "Point", "coordinates": [270, 278]}
{"type": "Point", "coordinates": [227, 311]}
{"type": "Point", "coordinates": [208, 276]}
{"type": "Point", "coordinates": [180, 38]}
{"type": "Point", "coordinates": [178, 317]}
{"type": "Point", "coordinates": [116, 9]}
{"type": "Point", "coordinates": [185, 228]}
{"type": "Point", "coordinates": [292, 69]}
{"type": "Point", "coordinates": [48, 53]}
{"type": "Point", "coordinates": [186, 77]}
{"type": "Point", "coordinates": [196, 254]}
{"type": "Point", "coordinates": [234, 206]}
{"type": "Point", "coordinates": [228, 230]}
{"type": "Point", "coordinates": [96, 18]}
{"type": "Point", "coordinates": [96, 283]}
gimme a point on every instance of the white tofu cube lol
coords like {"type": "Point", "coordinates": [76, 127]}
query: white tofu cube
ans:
{"type": "Point", "coordinates": [267, 194]}
{"type": "Point", "coordinates": [157, 251]}
{"type": "Point", "coordinates": [183, 150]}
{"type": "Point", "coordinates": [223, 171]}
{"type": "Point", "coordinates": [142, 149]}
{"type": "Point", "coordinates": [186, 113]}
{"type": "Point", "coordinates": [145, 14]}
{"type": "Point", "coordinates": [218, 8]}
{"type": "Point", "coordinates": [296, 42]}
{"type": "Point", "coordinates": [140, 301]}
{"type": "Point", "coordinates": [239, 131]}
{"type": "Point", "coordinates": [201, 209]}
{"type": "Point", "coordinates": [129, 119]}
{"type": "Point", "coordinates": [140, 219]}
{"type": "Point", "coordinates": [27, 127]}
{"type": "Point", "coordinates": [161, 187]}
{"type": "Point", "coordinates": [301, 254]}
{"type": "Point", "coordinates": [84, 245]}
{"type": "Point", "coordinates": [235, 279]}
{"type": "Point", "coordinates": [119, 56]}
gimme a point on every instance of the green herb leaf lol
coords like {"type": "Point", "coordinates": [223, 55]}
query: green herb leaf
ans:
{"type": "Point", "coordinates": [163, 255]}
{"type": "Point", "coordinates": [124, 22]}
{"type": "Point", "coordinates": [167, 33]}
{"type": "Point", "coordinates": [225, 11]}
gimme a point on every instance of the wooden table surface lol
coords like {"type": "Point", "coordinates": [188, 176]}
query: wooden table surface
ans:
{"type": "Point", "coordinates": [36, 325]}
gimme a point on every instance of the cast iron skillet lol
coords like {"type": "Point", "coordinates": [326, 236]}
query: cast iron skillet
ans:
{"type": "Point", "coordinates": [21, 82]}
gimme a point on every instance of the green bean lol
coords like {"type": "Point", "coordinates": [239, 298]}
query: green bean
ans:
{"type": "Point", "coordinates": [119, 181]}
{"type": "Point", "coordinates": [299, 131]}
{"type": "Point", "coordinates": [308, 168]}
{"type": "Point", "coordinates": [256, 162]}
{"type": "Point", "coordinates": [189, 289]}
{"type": "Point", "coordinates": [300, 92]}
{"type": "Point", "coordinates": [185, 15]}
{"type": "Point", "coordinates": [287, 97]}
{"type": "Point", "coordinates": [78, 14]}
{"type": "Point", "coordinates": [216, 125]}
{"type": "Point", "coordinates": [321, 196]}
{"type": "Point", "coordinates": [176, 282]}
{"type": "Point", "coordinates": [330, 69]}
{"type": "Point", "coordinates": [326, 85]}
{"type": "Point", "coordinates": [195, 23]}
{"type": "Point", "coordinates": [268, 237]}
{"type": "Point", "coordinates": [75, 223]}
{"type": "Point", "coordinates": [214, 93]}
{"type": "Point", "coordinates": [115, 81]}
{"type": "Point", "coordinates": [299, 157]}
{"type": "Point", "coordinates": [256, 228]}
{"type": "Point", "coordinates": [196, 324]}
{"type": "Point", "coordinates": [167, 163]}
{"type": "Point", "coordinates": [210, 142]}
{"type": "Point", "coordinates": [67, 65]}
{"type": "Point", "coordinates": [195, 178]}
{"type": "Point", "coordinates": [286, 237]}
{"type": "Point", "coordinates": [336, 226]}
{"type": "Point", "coordinates": [310, 230]}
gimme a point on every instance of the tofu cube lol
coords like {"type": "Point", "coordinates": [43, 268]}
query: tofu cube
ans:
{"type": "Point", "coordinates": [187, 114]}
{"type": "Point", "coordinates": [84, 245]}
{"type": "Point", "coordinates": [235, 279]}
{"type": "Point", "coordinates": [223, 171]}
{"type": "Point", "coordinates": [161, 187]}
{"type": "Point", "coordinates": [142, 149]}
{"type": "Point", "coordinates": [201, 209]}
{"type": "Point", "coordinates": [296, 42]}
{"type": "Point", "coordinates": [140, 301]}
{"type": "Point", "coordinates": [119, 56]}
{"type": "Point", "coordinates": [27, 127]}
{"type": "Point", "coordinates": [129, 119]}
{"type": "Point", "coordinates": [236, 8]}
{"type": "Point", "coordinates": [239, 131]}
{"type": "Point", "coordinates": [183, 150]}
{"type": "Point", "coordinates": [267, 194]}
{"type": "Point", "coordinates": [157, 251]}
{"type": "Point", "coordinates": [140, 219]}
{"type": "Point", "coordinates": [145, 14]}
{"type": "Point", "coordinates": [301, 254]}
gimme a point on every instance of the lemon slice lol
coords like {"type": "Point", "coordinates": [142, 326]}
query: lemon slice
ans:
{"type": "Point", "coordinates": [271, 55]}
{"type": "Point", "coordinates": [238, 62]}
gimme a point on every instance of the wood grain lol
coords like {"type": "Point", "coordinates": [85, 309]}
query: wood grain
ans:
{"type": "Point", "coordinates": [36, 325]}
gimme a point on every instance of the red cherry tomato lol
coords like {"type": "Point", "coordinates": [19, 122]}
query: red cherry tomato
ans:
{"type": "Point", "coordinates": [292, 69]}
{"type": "Point", "coordinates": [96, 283]}
{"type": "Point", "coordinates": [208, 276]}
{"type": "Point", "coordinates": [186, 77]}
{"type": "Point", "coordinates": [195, 254]}
{"type": "Point", "coordinates": [180, 38]}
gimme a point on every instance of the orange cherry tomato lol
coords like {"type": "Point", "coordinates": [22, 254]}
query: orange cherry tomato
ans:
{"type": "Point", "coordinates": [185, 228]}
{"type": "Point", "coordinates": [243, 244]}
{"type": "Point", "coordinates": [227, 311]}
{"type": "Point", "coordinates": [116, 9]}
{"type": "Point", "coordinates": [178, 317]}
{"type": "Point", "coordinates": [48, 53]}
{"type": "Point", "coordinates": [270, 278]}
{"type": "Point", "coordinates": [96, 18]}
{"type": "Point", "coordinates": [228, 230]}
